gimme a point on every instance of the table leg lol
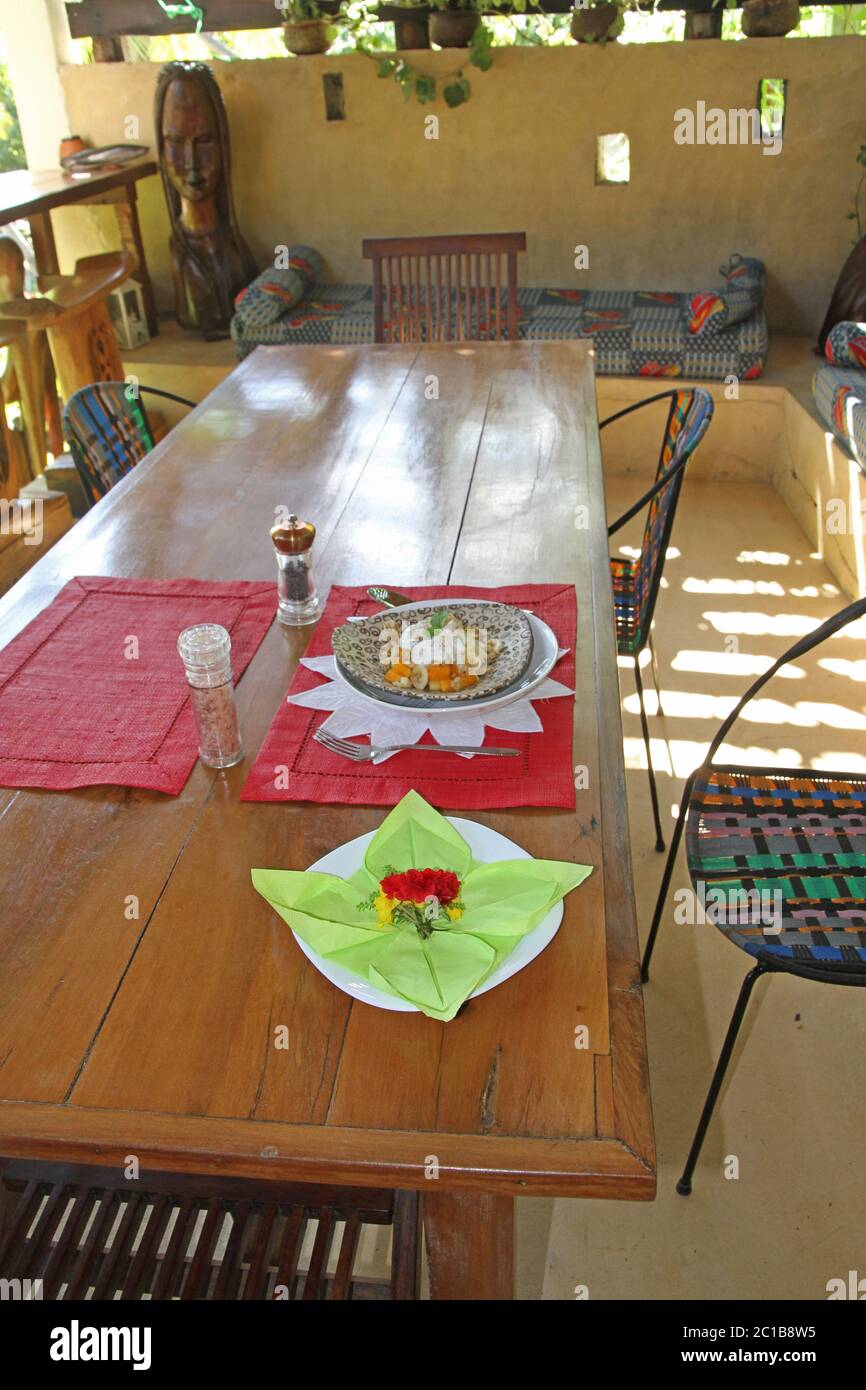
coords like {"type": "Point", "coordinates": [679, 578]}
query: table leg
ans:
{"type": "Point", "coordinates": [130, 236]}
{"type": "Point", "coordinates": [470, 1245]}
{"type": "Point", "coordinates": [44, 246]}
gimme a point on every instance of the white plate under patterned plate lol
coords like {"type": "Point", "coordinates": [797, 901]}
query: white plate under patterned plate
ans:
{"type": "Point", "coordinates": [545, 654]}
{"type": "Point", "coordinates": [488, 847]}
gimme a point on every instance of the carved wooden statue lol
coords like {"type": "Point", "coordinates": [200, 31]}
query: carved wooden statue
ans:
{"type": "Point", "coordinates": [211, 262]}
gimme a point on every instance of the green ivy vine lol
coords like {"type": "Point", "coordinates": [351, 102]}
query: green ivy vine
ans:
{"type": "Point", "coordinates": [423, 85]}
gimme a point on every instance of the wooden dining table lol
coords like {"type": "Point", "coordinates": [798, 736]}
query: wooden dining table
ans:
{"type": "Point", "coordinates": [151, 1032]}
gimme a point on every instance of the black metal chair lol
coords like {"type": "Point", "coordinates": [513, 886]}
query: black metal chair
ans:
{"type": "Point", "coordinates": [780, 856]}
{"type": "Point", "coordinates": [75, 1229]}
{"type": "Point", "coordinates": [108, 432]}
{"type": "Point", "coordinates": [636, 582]}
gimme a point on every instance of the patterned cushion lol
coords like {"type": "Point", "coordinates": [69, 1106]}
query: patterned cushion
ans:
{"type": "Point", "coordinates": [267, 298]}
{"type": "Point", "coordinates": [840, 400]}
{"type": "Point", "coordinates": [846, 345]}
{"type": "Point", "coordinates": [741, 295]}
{"type": "Point", "coordinates": [784, 850]}
{"type": "Point", "coordinates": [641, 333]}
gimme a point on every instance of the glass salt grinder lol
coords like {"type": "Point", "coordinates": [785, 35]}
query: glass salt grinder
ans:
{"type": "Point", "coordinates": [206, 654]}
{"type": "Point", "coordinates": [297, 603]}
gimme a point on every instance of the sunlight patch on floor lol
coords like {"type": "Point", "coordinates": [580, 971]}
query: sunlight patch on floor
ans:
{"type": "Point", "coordinates": [718, 663]}
{"type": "Point", "coordinates": [763, 557]}
{"type": "Point", "coordinates": [854, 670]}
{"type": "Point", "coordinates": [741, 587]}
{"type": "Point", "coordinates": [761, 624]}
{"type": "Point", "coordinates": [840, 762]}
{"type": "Point", "coordinates": [686, 755]}
{"type": "Point", "coordinates": [805, 714]}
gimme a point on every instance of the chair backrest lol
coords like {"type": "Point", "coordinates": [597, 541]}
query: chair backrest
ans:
{"type": "Point", "coordinates": [688, 420]}
{"type": "Point", "coordinates": [800, 648]}
{"type": "Point", "coordinates": [445, 288]}
{"type": "Point", "coordinates": [108, 434]}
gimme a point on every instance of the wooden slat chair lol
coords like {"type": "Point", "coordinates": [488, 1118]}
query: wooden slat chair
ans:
{"type": "Point", "coordinates": [435, 289]}
{"type": "Point", "coordinates": [88, 1232]}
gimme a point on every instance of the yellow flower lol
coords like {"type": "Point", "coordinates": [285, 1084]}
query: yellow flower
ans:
{"type": "Point", "coordinates": [454, 912]}
{"type": "Point", "coordinates": [384, 907]}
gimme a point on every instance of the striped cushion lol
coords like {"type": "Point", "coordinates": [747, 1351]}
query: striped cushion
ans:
{"type": "Point", "coordinates": [784, 850]}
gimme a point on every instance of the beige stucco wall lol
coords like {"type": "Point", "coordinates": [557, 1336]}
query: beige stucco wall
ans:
{"type": "Point", "coordinates": [520, 156]}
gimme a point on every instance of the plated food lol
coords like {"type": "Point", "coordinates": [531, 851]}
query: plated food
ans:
{"type": "Point", "coordinates": [440, 651]}
{"type": "Point", "coordinates": [437, 652]}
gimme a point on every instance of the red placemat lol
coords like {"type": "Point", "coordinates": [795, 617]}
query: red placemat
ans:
{"type": "Point", "coordinates": [291, 766]}
{"type": "Point", "coordinates": [93, 690]}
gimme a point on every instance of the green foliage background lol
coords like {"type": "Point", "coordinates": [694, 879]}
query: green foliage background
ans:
{"type": "Point", "coordinates": [11, 148]}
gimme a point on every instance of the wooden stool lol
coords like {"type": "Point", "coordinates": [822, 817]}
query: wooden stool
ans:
{"type": "Point", "coordinates": [72, 310]}
{"type": "Point", "coordinates": [195, 1238]}
{"type": "Point", "coordinates": [19, 546]}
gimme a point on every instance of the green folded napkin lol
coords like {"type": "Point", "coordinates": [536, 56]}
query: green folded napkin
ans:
{"type": "Point", "coordinates": [430, 950]}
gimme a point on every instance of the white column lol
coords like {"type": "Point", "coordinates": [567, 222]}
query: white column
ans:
{"type": "Point", "coordinates": [37, 40]}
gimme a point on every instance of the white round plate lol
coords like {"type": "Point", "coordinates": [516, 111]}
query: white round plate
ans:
{"type": "Point", "coordinates": [488, 847]}
{"type": "Point", "coordinates": [545, 654]}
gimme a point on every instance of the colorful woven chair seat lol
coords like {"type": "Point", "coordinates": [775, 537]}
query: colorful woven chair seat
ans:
{"type": "Point", "coordinates": [625, 607]}
{"type": "Point", "coordinates": [108, 432]}
{"type": "Point", "coordinates": [779, 859]}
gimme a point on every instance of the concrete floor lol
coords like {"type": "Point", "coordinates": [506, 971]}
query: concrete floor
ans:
{"type": "Point", "coordinates": [792, 1113]}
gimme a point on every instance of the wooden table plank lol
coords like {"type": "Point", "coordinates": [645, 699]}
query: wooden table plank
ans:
{"type": "Point", "coordinates": [169, 1050]}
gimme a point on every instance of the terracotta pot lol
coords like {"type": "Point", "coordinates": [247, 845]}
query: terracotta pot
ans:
{"type": "Point", "coordinates": [594, 24]}
{"type": "Point", "coordinates": [412, 31]}
{"type": "Point", "coordinates": [767, 19]}
{"type": "Point", "coordinates": [302, 36]}
{"type": "Point", "coordinates": [71, 144]}
{"type": "Point", "coordinates": [453, 28]}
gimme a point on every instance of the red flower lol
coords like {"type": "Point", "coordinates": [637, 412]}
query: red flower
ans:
{"type": "Point", "coordinates": [415, 885]}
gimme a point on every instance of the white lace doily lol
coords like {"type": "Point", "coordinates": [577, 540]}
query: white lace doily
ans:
{"type": "Point", "coordinates": [351, 715]}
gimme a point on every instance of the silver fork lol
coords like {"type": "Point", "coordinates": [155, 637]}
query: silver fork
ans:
{"type": "Point", "coordinates": [359, 753]}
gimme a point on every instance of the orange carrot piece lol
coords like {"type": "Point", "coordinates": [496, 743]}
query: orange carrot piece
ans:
{"type": "Point", "coordinates": [397, 671]}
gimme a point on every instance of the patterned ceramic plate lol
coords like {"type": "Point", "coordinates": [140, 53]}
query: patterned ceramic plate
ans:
{"type": "Point", "coordinates": [545, 654]}
{"type": "Point", "coordinates": [357, 647]}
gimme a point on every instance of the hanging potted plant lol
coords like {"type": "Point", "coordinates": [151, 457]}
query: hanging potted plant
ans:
{"type": "Point", "coordinates": [304, 29]}
{"type": "Point", "coordinates": [412, 28]}
{"type": "Point", "coordinates": [453, 22]}
{"type": "Point", "coordinates": [599, 21]}
{"type": "Point", "coordinates": [767, 19]}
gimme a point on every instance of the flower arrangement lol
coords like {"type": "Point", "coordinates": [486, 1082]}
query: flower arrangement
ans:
{"type": "Point", "coordinates": [426, 899]}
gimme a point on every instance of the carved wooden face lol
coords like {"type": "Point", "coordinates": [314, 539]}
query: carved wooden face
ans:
{"type": "Point", "coordinates": [190, 140]}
